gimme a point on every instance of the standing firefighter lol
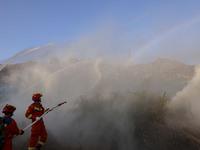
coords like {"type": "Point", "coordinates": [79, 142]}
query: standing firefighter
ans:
{"type": "Point", "coordinates": [34, 112]}
{"type": "Point", "coordinates": [10, 125]}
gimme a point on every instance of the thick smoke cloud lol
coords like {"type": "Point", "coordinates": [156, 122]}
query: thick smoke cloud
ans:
{"type": "Point", "coordinates": [107, 106]}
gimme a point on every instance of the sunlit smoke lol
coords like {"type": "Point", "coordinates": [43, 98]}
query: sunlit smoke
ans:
{"type": "Point", "coordinates": [189, 97]}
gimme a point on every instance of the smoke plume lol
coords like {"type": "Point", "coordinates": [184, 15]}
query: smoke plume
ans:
{"type": "Point", "coordinates": [108, 107]}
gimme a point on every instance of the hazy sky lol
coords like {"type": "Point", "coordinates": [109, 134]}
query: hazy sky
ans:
{"type": "Point", "coordinates": [147, 28]}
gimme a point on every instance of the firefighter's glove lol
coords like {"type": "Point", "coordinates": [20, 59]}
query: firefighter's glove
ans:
{"type": "Point", "coordinates": [21, 132]}
{"type": "Point", "coordinates": [37, 118]}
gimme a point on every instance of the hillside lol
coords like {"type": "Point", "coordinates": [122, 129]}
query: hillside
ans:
{"type": "Point", "coordinates": [162, 75]}
{"type": "Point", "coordinates": [164, 69]}
{"type": "Point", "coordinates": [161, 68]}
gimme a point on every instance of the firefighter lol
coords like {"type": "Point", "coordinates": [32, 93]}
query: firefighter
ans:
{"type": "Point", "coordinates": [10, 125]}
{"type": "Point", "coordinates": [34, 112]}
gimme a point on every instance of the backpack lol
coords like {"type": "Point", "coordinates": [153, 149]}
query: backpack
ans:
{"type": "Point", "coordinates": [2, 133]}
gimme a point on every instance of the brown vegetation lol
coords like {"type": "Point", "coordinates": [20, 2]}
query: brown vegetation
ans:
{"type": "Point", "coordinates": [146, 121]}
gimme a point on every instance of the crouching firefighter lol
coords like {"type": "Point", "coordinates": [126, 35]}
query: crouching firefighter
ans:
{"type": "Point", "coordinates": [10, 126]}
{"type": "Point", "coordinates": [34, 112]}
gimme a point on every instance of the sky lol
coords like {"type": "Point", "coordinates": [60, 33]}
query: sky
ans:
{"type": "Point", "coordinates": [144, 29]}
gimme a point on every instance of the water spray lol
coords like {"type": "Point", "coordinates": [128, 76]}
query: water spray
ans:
{"type": "Point", "coordinates": [96, 67]}
{"type": "Point", "coordinates": [18, 55]}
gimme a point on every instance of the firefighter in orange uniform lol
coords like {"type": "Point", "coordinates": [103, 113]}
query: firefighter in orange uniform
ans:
{"type": "Point", "coordinates": [10, 125]}
{"type": "Point", "coordinates": [34, 112]}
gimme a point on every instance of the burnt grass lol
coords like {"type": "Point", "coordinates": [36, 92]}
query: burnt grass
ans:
{"type": "Point", "coordinates": [139, 121]}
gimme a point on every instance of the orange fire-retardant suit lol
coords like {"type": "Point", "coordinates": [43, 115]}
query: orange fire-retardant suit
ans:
{"type": "Point", "coordinates": [38, 129]}
{"type": "Point", "coordinates": [10, 125]}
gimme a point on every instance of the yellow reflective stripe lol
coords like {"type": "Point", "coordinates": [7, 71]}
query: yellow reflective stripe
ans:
{"type": "Point", "coordinates": [36, 108]}
{"type": "Point", "coordinates": [5, 125]}
{"type": "Point", "coordinates": [41, 143]}
{"type": "Point", "coordinates": [29, 116]}
{"type": "Point", "coordinates": [31, 148]}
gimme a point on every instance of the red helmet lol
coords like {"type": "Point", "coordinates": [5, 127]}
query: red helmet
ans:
{"type": "Point", "coordinates": [9, 109]}
{"type": "Point", "coordinates": [36, 96]}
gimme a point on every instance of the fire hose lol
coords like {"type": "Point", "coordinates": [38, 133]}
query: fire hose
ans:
{"type": "Point", "coordinates": [48, 110]}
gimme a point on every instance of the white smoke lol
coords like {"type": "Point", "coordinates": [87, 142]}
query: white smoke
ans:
{"type": "Point", "coordinates": [189, 97]}
{"type": "Point", "coordinates": [92, 112]}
